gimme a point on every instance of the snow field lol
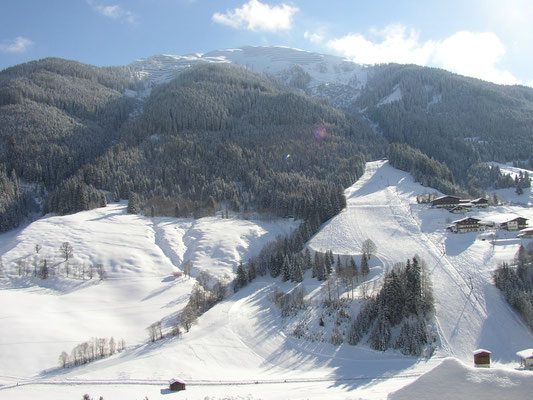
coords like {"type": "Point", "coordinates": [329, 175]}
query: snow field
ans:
{"type": "Point", "coordinates": [42, 318]}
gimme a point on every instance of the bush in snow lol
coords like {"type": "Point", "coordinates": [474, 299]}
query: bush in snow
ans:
{"type": "Point", "coordinates": [337, 337]}
{"type": "Point", "coordinates": [291, 302]}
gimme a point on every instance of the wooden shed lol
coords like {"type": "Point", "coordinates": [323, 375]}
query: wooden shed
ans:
{"type": "Point", "coordinates": [526, 358]}
{"type": "Point", "coordinates": [176, 385]}
{"type": "Point", "coordinates": [482, 358]}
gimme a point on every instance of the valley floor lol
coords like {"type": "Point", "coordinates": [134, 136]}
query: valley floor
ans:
{"type": "Point", "coordinates": [238, 349]}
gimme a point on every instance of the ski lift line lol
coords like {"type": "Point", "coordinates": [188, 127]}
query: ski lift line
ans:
{"type": "Point", "coordinates": [430, 241]}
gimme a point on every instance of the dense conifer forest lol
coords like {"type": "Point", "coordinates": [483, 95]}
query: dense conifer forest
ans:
{"type": "Point", "coordinates": [456, 120]}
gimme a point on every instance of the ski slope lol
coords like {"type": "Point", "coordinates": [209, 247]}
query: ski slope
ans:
{"type": "Point", "coordinates": [470, 312]}
{"type": "Point", "coordinates": [238, 349]}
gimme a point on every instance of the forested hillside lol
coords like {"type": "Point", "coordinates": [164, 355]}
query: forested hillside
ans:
{"type": "Point", "coordinates": [221, 136]}
{"type": "Point", "coordinates": [458, 121]}
{"type": "Point", "coordinates": [55, 116]}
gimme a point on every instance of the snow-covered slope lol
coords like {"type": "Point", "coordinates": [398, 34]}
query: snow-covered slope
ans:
{"type": "Point", "coordinates": [471, 313]}
{"type": "Point", "coordinates": [42, 318]}
{"type": "Point", "coordinates": [238, 349]}
{"type": "Point", "coordinates": [329, 76]}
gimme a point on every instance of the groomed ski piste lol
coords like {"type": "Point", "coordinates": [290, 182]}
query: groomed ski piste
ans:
{"type": "Point", "coordinates": [239, 349]}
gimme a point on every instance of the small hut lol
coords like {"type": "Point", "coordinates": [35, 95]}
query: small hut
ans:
{"type": "Point", "coordinates": [481, 358]}
{"type": "Point", "coordinates": [176, 385]}
{"type": "Point", "coordinates": [526, 358]}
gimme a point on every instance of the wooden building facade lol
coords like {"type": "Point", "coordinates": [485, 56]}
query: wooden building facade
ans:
{"type": "Point", "coordinates": [482, 358]}
{"type": "Point", "coordinates": [468, 224]}
{"type": "Point", "coordinates": [176, 385]}
{"type": "Point", "coordinates": [515, 224]}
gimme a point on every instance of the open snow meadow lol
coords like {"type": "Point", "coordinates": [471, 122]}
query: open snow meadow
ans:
{"type": "Point", "coordinates": [242, 348]}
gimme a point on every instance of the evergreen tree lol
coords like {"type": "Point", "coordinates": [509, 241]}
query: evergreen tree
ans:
{"type": "Point", "coordinates": [133, 204]}
{"type": "Point", "coordinates": [308, 262]}
{"type": "Point", "coordinates": [242, 277]}
{"type": "Point", "coordinates": [286, 269]}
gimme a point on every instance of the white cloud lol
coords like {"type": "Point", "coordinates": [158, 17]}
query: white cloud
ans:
{"type": "Point", "coordinates": [397, 44]}
{"type": "Point", "coordinates": [466, 53]}
{"type": "Point", "coordinates": [473, 54]}
{"type": "Point", "coordinates": [257, 16]}
{"type": "Point", "coordinates": [18, 45]}
{"type": "Point", "coordinates": [314, 37]}
{"type": "Point", "coordinates": [114, 12]}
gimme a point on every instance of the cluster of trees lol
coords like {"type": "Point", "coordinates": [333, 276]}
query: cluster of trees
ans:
{"type": "Point", "coordinates": [516, 283]}
{"type": "Point", "coordinates": [92, 350]}
{"type": "Point", "coordinates": [202, 298]}
{"type": "Point", "coordinates": [405, 300]}
{"type": "Point", "coordinates": [44, 267]}
{"type": "Point", "coordinates": [522, 181]}
{"type": "Point", "coordinates": [424, 169]}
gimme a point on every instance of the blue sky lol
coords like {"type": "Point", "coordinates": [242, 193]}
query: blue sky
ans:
{"type": "Point", "coordinates": [488, 39]}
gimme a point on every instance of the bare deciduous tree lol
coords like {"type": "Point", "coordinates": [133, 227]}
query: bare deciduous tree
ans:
{"type": "Point", "coordinates": [66, 250]}
{"type": "Point", "coordinates": [369, 247]}
{"type": "Point", "coordinates": [187, 267]}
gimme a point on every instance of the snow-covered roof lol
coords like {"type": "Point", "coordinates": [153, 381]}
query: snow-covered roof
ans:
{"type": "Point", "coordinates": [171, 381]}
{"type": "Point", "coordinates": [479, 351]}
{"type": "Point", "coordinates": [502, 218]}
{"type": "Point", "coordinates": [528, 353]}
{"type": "Point", "coordinates": [465, 219]}
{"type": "Point", "coordinates": [526, 230]}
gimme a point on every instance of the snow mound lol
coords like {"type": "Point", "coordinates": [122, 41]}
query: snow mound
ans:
{"type": "Point", "coordinates": [454, 380]}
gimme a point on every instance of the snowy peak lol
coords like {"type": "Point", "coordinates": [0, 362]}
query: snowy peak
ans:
{"type": "Point", "coordinates": [319, 74]}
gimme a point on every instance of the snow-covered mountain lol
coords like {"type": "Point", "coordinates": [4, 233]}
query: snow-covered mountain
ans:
{"type": "Point", "coordinates": [323, 75]}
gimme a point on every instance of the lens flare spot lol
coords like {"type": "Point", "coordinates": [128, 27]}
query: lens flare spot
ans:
{"type": "Point", "coordinates": [320, 132]}
{"type": "Point", "coordinates": [288, 156]}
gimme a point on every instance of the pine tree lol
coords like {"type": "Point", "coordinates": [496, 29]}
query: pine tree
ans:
{"type": "Point", "coordinates": [133, 204]}
{"type": "Point", "coordinates": [242, 277]}
{"type": "Point", "coordinates": [308, 262]}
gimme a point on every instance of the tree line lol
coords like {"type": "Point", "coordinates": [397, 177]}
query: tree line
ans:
{"type": "Point", "coordinates": [516, 283]}
{"type": "Point", "coordinates": [91, 350]}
